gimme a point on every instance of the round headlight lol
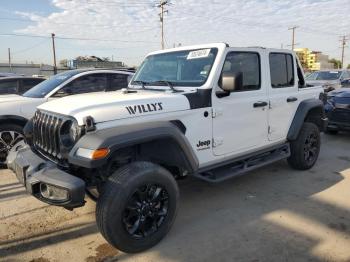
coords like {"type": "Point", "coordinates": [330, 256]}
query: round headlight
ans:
{"type": "Point", "coordinates": [74, 131]}
{"type": "Point", "coordinates": [69, 133]}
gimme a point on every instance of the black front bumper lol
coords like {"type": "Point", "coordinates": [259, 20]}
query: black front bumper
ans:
{"type": "Point", "coordinates": [32, 171]}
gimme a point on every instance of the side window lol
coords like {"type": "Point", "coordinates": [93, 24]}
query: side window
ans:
{"type": "Point", "coordinates": [8, 87]}
{"type": "Point", "coordinates": [346, 75]}
{"type": "Point", "coordinates": [247, 63]}
{"type": "Point", "coordinates": [85, 84]}
{"type": "Point", "coordinates": [118, 81]}
{"type": "Point", "coordinates": [28, 84]}
{"type": "Point", "coordinates": [281, 70]}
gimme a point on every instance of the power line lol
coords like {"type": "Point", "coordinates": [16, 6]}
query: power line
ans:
{"type": "Point", "coordinates": [31, 47]}
{"type": "Point", "coordinates": [77, 38]}
{"type": "Point", "coordinates": [62, 23]}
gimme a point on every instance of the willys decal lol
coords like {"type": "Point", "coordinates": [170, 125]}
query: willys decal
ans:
{"type": "Point", "coordinates": [146, 108]}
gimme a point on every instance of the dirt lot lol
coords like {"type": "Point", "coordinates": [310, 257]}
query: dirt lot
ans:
{"type": "Point", "coordinates": [273, 214]}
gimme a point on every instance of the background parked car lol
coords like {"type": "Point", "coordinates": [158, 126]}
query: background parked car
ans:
{"type": "Point", "coordinates": [18, 84]}
{"type": "Point", "coordinates": [337, 109]}
{"type": "Point", "coordinates": [345, 83]}
{"type": "Point", "coordinates": [16, 110]}
{"type": "Point", "coordinates": [329, 79]}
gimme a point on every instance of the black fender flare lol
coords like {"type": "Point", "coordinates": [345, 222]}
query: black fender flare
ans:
{"type": "Point", "coordinates": [301, 114]}
{"type": "Point", "coordinates": [18, 119]}
{"type": "Point", "coordinates": [125, 136]}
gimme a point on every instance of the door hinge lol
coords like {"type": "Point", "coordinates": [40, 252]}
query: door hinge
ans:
{"type": "Point", "coordinates": [218, 141]}
{"type": "Point", "coordinates": [215, 112]}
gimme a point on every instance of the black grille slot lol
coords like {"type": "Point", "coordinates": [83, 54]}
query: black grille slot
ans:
{"type": "Point", "coordinates": [340, 115]}
{"type": "Point", "coordinates": [46, 134]}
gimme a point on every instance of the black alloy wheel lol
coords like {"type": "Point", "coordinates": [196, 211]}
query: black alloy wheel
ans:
{"type": "Point", "coordinates": [146, 210]}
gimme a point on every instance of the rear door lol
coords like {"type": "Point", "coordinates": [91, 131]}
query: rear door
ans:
{"type": "Point", "coordinates": [283, 94]}
{"type": "Point", "coordinates": [240, 119]}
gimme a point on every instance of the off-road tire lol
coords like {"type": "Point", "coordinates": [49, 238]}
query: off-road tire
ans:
{"type": "Point", "coordinates": [299, 147]}
{"type": "Point", "coordinates": [118, 190]}
{"type": "Point", "coordinates": [9, 127]}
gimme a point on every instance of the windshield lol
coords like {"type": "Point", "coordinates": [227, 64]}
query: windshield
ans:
{"type": "Point", "coordinates": [45, 87]}
{"type": "Point", "coordinates": [324, 75]}
{"type": "Point", "coordinates": [180, 68]}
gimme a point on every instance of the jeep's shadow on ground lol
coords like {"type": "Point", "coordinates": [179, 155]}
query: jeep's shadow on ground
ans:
{"type": "Point", "coordinates": [270, 214]}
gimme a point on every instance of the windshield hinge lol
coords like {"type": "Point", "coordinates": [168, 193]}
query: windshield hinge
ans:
{"type": "Point", "coordinates": [215, 112]}
{"type": "Point", "coordinates": [218, 141]}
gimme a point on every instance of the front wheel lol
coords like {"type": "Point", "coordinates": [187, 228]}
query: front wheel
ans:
{"type": "Point", "coordinates": [137, 207]}
{"type": "Point", "coordinates": [10, 134]}
{"type": "Point", "coordinates": [306, 148]}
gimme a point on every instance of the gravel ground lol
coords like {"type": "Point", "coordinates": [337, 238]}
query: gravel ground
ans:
{"type": "Point", "coordinates": [272, 214]}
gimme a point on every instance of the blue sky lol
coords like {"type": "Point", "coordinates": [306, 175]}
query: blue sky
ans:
{"type": "Point", "coordinates": [128, 30]}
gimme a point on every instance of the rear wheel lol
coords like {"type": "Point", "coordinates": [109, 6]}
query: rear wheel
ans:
{"type": "Point", "coordinates": [306, 148]}
{"type": "Point", "coordinates": [10, 134]}
{"type": "Point", "coordinates": [137, 207]}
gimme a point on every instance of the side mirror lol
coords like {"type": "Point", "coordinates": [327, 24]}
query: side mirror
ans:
{"type": "Point", "coordinates": [230, 82]}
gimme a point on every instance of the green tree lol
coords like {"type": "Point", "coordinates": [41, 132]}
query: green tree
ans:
{"type": "Point", "coordinates": [348, 67]}
{"type": "Point", "coordinates": [336, 63]}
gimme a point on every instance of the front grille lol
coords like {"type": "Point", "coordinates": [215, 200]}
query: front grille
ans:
{"type": "Point", "coordinates": [46, 128]}
{"type": "Point", "coordinates": [340, 115]}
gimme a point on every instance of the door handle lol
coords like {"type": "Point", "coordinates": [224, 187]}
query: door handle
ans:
{"type": "Point", "coordinates": [291, 99]}
{"type": "Point", "coordinates": [260, 104]}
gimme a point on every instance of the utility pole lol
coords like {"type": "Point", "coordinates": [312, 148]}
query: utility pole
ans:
{"type": "Point", "coordinates": [54, 54]}
{"type": "Point", "coordinates": [10, 64]}
{"type": "Point", "coordinates": [343, 44]}
{"type": "Point", "coordinates": [293, 35]}
{"type": "Point", "coordinates": [161, 16]}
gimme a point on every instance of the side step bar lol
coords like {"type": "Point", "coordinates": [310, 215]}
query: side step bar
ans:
{"type": "Point", "coordinates": [244, 164]}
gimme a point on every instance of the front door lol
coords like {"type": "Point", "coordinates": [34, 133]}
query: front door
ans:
{"type": "Point", "coordinates": [240, 119]}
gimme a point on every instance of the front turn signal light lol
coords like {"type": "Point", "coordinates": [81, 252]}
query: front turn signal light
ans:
{"type": "Point", "coordinates": [93, 154]}
{"type": "Point", "coordinates": [100, 153]}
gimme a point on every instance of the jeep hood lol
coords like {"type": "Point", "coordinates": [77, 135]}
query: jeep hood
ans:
{"type": "Point", "coordinates": [107, 106]}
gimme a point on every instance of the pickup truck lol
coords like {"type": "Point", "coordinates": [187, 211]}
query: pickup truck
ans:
{"type": "Point", "coordinates": [209, 111]}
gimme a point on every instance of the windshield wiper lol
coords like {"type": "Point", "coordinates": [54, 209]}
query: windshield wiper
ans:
{"type": "Point", "coordinates": [140, 82]}
{"type": "Point", "coordinates": [168, 83]}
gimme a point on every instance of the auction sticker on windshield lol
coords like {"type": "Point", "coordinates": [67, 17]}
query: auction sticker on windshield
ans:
{"type": "Point", "coordinates": [198, 54]}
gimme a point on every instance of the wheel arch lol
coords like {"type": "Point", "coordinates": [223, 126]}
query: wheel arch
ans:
{"type": "Point", "coordinates": [309, 110]}
{"type": "Point", "coordinates": [13, 119]}
{"type": "Point", "coordinates": [163, 143]}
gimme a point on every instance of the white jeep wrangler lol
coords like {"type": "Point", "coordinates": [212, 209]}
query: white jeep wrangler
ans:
{"type": "Point", "coordinates": [209, 111]}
